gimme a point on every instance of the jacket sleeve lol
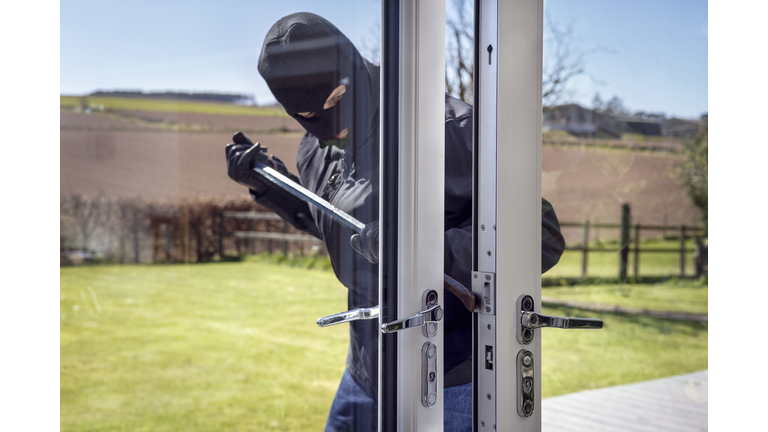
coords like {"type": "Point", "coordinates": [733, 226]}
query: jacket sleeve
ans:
{"type": "Point", "coordinates": [287, 206]}
{"type": "Point", "coordinates": [552, 241]}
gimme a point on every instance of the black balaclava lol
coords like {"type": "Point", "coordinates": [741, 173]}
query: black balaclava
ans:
{"type": "Point", "coordinates": [303, 59]}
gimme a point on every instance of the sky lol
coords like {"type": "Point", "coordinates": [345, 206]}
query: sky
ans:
{"type": "Point", "coordinates": [651, 54]}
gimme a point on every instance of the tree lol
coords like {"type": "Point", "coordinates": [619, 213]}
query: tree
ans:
{"type": "Point", "coordinates": [616, 106]}
{"type": "Point", "coordinates": [459, 60]}
{"type": "Point", "coordinates": [693, 171]}
{"type": "Point", "coordinates": [597, 103]}
{"type": "Point", "coordinates": [370, 46]}
{"type": "Point", "coordinates": [562, 60]}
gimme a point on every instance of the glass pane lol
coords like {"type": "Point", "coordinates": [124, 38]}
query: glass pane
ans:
{"type": "Point", "coordinates": [459, 86]}
{"type": "Point", "coordinates": [191, 280]}
{"type": "Point", "coordinates": [624, 166]}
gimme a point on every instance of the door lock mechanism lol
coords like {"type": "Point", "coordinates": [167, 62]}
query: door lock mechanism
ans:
{"type": "Point", "coordinates": [530, 321]}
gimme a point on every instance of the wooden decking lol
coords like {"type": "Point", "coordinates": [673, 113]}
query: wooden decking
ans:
{"type": "Point", "coordinates": [676, 403]}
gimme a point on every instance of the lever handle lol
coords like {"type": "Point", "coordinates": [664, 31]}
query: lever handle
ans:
{"type": "Point", "coordinates": [352, 315]}
{"type": "Point", "coordinates": [433, 314]}
{"type": "Point", "coordinates": [533, 320]}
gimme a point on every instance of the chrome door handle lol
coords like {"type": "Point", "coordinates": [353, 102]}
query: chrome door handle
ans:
{"type": "Point", "coordinates": [352, 315]}
{"type": "Point", "coordinates": [530, 321]}
{"type": "Point", "coordinates": [433, 314]}
{"type": "Point", "coordinates": [534, 320]}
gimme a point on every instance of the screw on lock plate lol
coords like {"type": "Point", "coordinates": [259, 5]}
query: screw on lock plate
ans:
{"type": "Point", "coordinates": [525, 383]}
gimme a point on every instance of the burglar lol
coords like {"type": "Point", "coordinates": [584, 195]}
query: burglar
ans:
{"type": "Point", "coordinates": [321, 80]}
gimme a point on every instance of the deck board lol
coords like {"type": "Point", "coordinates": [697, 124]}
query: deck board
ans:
{"type": "Point", "coordinates": [675, 404]}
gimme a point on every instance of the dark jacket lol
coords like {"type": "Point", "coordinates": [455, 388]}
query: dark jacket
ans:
{"type": "Point", "coordinates": [348, 179]}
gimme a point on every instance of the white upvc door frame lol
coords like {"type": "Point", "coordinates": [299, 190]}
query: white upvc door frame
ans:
{"type": "Point", "coordinates": [507, 232]}
{"type": "Point", "coordinates": [411, 208]}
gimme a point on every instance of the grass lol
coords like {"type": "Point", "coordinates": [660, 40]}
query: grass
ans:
{"type": "Point", "coordinates": [228, 346]}
{"type": "Point", "coordinates": [141, 104]}
{"type": "Point", "coordinates": [677, 296]}
{"type": "Point", "coordinates": [606, 264]}
{"type": "Point", "coordinates": [234, 346]}
{"type": "Point", "coordinates": [628, 349]}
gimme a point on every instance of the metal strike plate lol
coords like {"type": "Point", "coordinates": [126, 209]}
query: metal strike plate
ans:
{"type": "Point", "coordinates": [525, 383]}
{"type": "Point", "coordinates": [429, 374]}
{"type": "Point", "coordinates": [484, 289]}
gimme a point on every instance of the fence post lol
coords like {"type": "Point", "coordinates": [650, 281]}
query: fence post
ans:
{"type": "Point", "coordinates": [253, 240]}
{"type": "Point", "coordinates": [136, 244]}
{"type": "Point", "coordinates": [185, 228]}
{"type": "Point", "coordinates": [168, 241]}
{"type": "Point", "coordinates": [626, 222]}
{"type": "Point", "coordinates": [584, 249]}
{"type": "Point", "coordinates": [221, 235]}
{"type": "Point", "coordinates": [636, 255]}
{"type": "Point", "coordinates": [285, 243]}
{"type": "Point", "coordinates": [682, 251]}
{"type": "Point", "coordinates": [700, 258]}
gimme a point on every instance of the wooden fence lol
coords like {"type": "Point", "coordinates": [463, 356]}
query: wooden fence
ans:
{"type": "Point", "coordinates": [630, 244]}
{"type": "Point", "coordinates": [285, 237]}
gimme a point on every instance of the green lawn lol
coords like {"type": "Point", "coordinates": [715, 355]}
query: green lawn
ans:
{"type": "Point", "coordinates": [627, 349]}
{"type": "Point", "coordinates": [230, 346]}
{"type": "Point", "coordinates": [678, 296]}
{"type": "Point", "coordinates": [141, 104]}
{"type": "Point", "coordinates": [234, 346]}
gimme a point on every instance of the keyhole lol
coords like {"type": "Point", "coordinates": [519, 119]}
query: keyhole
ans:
{"type": "Point", "coordinates": [490, 48]}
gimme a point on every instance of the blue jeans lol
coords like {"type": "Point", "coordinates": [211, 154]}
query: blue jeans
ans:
{"type": "Point", "coordinates": [353, 410]}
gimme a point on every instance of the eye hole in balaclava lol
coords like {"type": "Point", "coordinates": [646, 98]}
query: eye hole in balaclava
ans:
{"type": "Point", "coordinates": [329, 116]}
{"type": "Point", "coordinates": [305, 60]}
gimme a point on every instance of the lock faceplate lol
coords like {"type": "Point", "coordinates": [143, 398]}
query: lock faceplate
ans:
{"type": "Point", "coordinates": [429, 374]}
{"type": "Point", "coordinates": [525, 383]}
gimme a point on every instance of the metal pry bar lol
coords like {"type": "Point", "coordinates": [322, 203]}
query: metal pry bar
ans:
{"type": "Point", "coordinates": [303, 194]}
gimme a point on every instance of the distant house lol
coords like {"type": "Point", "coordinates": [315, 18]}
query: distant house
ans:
{"type": "Point", "coordinates": [639, 125]}
{"type": "Point", "coordinates": [583, 122]}
{"type": "Point", "coordinates": [676, 127]}
{"type": "Point", "coordinates": [587, 123]}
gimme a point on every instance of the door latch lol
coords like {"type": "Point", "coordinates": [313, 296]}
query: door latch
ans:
{"type": "Point", "coordinates": [530, 321]}
{"type": "Point", "coordinates": [427, 319]}
{"type": "Point", "coordinates": [352, 315]}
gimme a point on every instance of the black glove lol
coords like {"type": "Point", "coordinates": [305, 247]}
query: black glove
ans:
{"type": "Point", "coordinates": [367, 242]}
{"type": "Point", "coordinates": [242, 156]}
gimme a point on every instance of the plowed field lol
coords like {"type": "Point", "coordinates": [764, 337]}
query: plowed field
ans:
{"type": "Point", "coordinates": [121, 158]}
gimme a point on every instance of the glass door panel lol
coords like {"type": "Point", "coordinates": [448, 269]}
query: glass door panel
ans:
{"type": "Point", "coordinates": [193, 270]}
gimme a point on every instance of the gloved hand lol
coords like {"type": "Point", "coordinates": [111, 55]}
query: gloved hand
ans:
{"type": "Point", "coordinates": [367, 242]}
{"type": "Point", "coordinates": [242, 156]}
